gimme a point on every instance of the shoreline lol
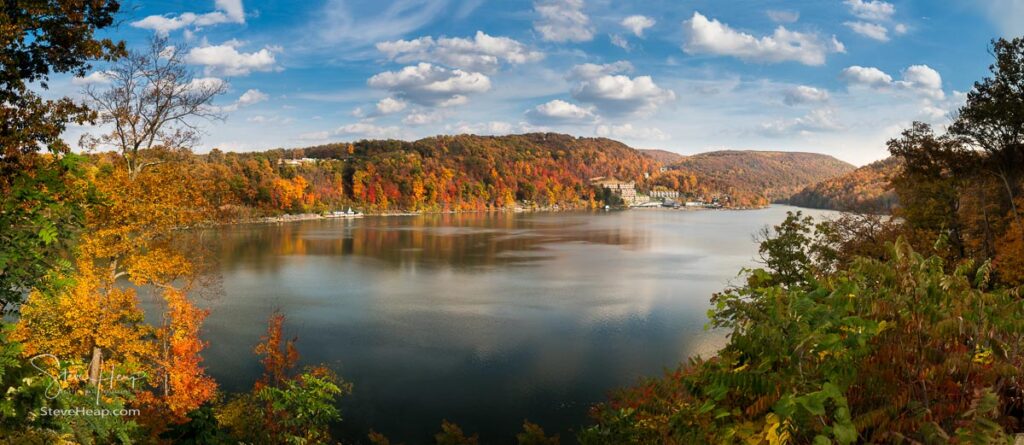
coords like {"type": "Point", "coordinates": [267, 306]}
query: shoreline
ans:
{"type": "Point", "coordinates": [293, 217]}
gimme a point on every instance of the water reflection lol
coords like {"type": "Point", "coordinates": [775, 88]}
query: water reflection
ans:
{"type": "Point", "coordinates": [469, 241]}
{"type": "Point", "coordinates": [482, 319]}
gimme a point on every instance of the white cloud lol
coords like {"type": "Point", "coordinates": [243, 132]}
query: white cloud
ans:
{"type": "Point", "coordinates": [249, 97]}
{"type": "Point", "coordinates": [805, 95]}
{"type": "Point", "coordinates": [228, 11]}
{"type": "Point", "coordinates": [431, 85]}
{"type": "Point", "coordinates": [617, 94]}
{"type": "Point", "coordinates": [637, 24]}
{"type": "Point", "coordinates": [628, 131]}
{"type": "Point", "coordinates": [819, 120]}
{"type": "Point", "coordinates": [619, 41]}
{"type": "Point", "coordinates": [261, 119]}
{"type": "Point", "coordinates": [559, 110]}
{"type": "Point", "coordinates": [390, 105]}
{"type": "Point", "coordinates": [233, 9]}
{"type": "Point", "coordinates": [592, 70]}
{"type": "Point", "coordinates": [875, 10]}
{"type": "Point", "coordinates": [205, 83]}
{"type": "Point", "coordinates": [866, 77]}
{"type": "Point", "coordinates": [368, 130]}
{"type": "Point", "coordinates": [780, 16]}
{"type": "Point", "coordinates": [225, 59]}
{"type": "Point", "coordinates": [491, 128]}
{"type": "Point", "coordinates": [921, 79]}
{"type": "Point", "coordinates": [481, 53]}
{"type": "Point", "coordinates": [562, 21]}
{"type": "Point", "coordinates": [709, 36]}
{"type": "Point", "coordinates": [1008, 15]}
{"type": "Point", "coordinates": [869, 30]}
{"type": "Point", "coordinates": [252, 96]}
{"type": "Point", "coordinates": [94, 78]}
{"type": "Point", "coordinates": [900, 29]}
{"type": "Point", "coordinates": [422, 118]}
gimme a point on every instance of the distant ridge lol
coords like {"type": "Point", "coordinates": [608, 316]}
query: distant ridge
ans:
{"type": "Point", "coordinates": [866, 189]}
{"type": "Point", "coordinates": [662, 156]}
{"type": "Point", "coordinates": [774, 174]}
{"type": "Point", "coordinates": [471, 172]}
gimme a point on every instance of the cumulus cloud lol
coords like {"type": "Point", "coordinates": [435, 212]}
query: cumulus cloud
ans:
{"type": "Point", "coordinates": [921, 79]}
{"type": "Point", "coordinates": [591, 70]}
{"type": "Point", "coordinates": [225, 59]}
{"type": "Point", "coordinates": [875, 10]}
{"type": "Point", "coordinates": [860, 76]}
{"type": "Point", "coordinates": [422, 118]}
{"type": "Point", "coordinates": [94, 78]}
{"type": "Point", "coordinates": [617, 94]}
{"type": "Point", "coordinates": [227, 11]}
{"type": "Point", "coordinates": [805, 95]}
{"type": "Point", "coordinates": [389, 105]}
{"type": "Point", "coordinates": [205, 84]}
{"type": "Point", "coordinates": [637, 24]}
{"type": "Point", "coordinates": [431, 85]}
{"type": "Point", "coordinates": [819, 120]}
{"type": "Point", "coordinates": [249, 97]}
{"type": "Point", "coordinates": [781, 16]}
{"type": "Point", "coordinates": [560, 111]}
{"type": "Point", "coordinates": [482, 52]}
{"type": "Point", "coordinates": [869, 30]}
{"type": "Point", "coordinates": [709, 36]}
{"type": "Point", "coordinates": [562, 21]}
{"type": "Point", "coordinates": [628, 131]}
{"type": "Point", "coordinates": [252, 96]}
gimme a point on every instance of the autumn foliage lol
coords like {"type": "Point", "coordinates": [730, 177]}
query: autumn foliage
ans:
{"type": "Point", "coordinates": [867, 189]}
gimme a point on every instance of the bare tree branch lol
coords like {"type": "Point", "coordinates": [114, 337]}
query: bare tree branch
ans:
{"type": "Point", "coordinates": [152, 103]}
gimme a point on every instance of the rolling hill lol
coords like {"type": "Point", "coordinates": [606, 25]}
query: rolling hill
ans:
{"type": "Point", "coordinates": [469, 172]}
{"type": "Point", "coordinates": [865, 189]}
{"type": "Point", "coordinates": [663, 156]}
{"type": "Point", "coordinates": [776, 175]}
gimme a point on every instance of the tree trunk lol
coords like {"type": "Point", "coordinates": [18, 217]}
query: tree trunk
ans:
{"type": "Point", "coordinates": [95, 366]}
{"type": "Point", "coordinates": [1013, 205]}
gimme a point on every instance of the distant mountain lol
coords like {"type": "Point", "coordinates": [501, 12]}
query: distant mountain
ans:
{"type": "Point", "coordinates": [662, 156]}
{"type": "Point", "coordinates": [866, 189]}
{"type": "Point", "coordinates": [469, 172]}
{"type": "Point", "coordinates": [461, 172]}
{"type": "Point", "coordinates": [775, 175]}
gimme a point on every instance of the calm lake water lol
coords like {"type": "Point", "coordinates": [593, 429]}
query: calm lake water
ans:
{"type": "Point", "coordinates": [481, 319]}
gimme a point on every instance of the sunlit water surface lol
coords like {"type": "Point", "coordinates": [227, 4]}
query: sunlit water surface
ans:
{"type": "Point", "coordinates": [481, 319]}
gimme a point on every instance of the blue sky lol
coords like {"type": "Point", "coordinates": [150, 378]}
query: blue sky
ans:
{"type": "Point", "coordinates": [837, 77]}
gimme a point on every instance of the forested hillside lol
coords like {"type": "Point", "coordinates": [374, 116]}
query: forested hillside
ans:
{"type": "Point", "coordinates": [467, 172]}
{"type": "Point", "coordinates": [771, 174]}
{"type": "Point", "coordinates": [663, 156]}
{"type": "Point", "coordinates": [434, 174]}
{"type": "Point", "coordinates": [866, 189]}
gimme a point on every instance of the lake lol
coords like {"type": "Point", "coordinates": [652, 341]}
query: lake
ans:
{"type": "Point", "coordinates": [484, 319]}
